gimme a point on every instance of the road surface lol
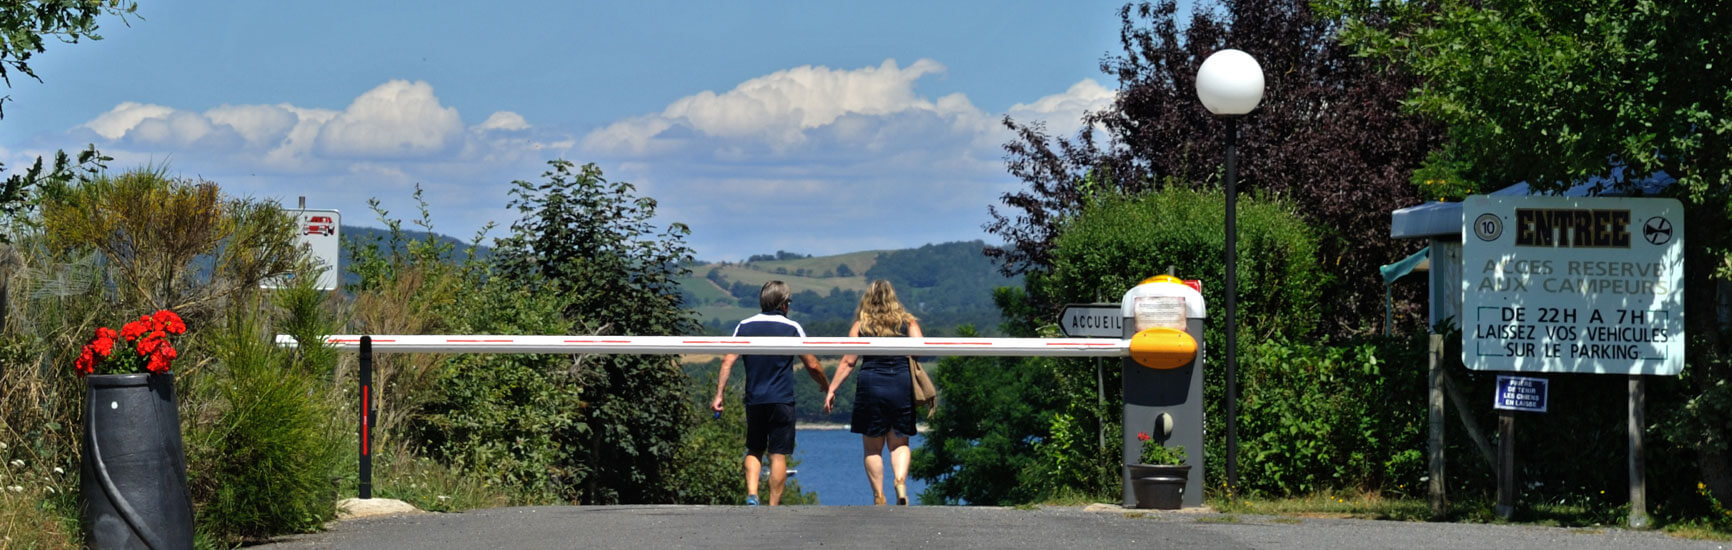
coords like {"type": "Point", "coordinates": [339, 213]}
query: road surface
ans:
{"type": "Point", "coordinates": [949, 528]}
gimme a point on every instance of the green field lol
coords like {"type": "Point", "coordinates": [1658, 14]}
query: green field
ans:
{"type": "Point", "coordinates": [758, 273]}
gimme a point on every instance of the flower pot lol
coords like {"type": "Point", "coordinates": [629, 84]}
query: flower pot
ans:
{"type": "Point", "coordinates": [133, 473]}
{"type": "Point", "coordinates": [1158, 487]}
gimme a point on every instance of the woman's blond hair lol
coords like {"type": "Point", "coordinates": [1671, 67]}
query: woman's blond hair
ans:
{"type": "Point", "coordinates": [879, 313]}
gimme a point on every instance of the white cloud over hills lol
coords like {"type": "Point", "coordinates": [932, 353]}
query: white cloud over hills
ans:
{"type": "Point", "coordinates": [811, 158]}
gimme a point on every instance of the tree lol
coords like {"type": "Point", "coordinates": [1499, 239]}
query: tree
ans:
{"type": "Point", "coordinates": [1615, 94]}
{"type": "Point", "coordinates": [589, 241]}
{"type": "Point", "coordinates": [27, 23]}
{"type": "Point", "coordinates": [23, 27]}
{"type": "Point", "coordinates": [1330, 136]}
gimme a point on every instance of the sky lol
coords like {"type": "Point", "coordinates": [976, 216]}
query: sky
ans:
{"type": "Point", "coordinates": [811, 127]}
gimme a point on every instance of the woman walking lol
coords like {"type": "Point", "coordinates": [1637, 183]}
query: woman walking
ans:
{"type": "Point", "coordinates": [884, 393]}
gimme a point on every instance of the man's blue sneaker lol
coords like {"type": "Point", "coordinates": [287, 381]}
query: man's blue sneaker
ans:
{"type": "Point", "coordinates": [751, 500]}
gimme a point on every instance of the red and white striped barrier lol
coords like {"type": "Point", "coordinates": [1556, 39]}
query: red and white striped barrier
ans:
{"type": "Point", "coordinates": [763, 345]}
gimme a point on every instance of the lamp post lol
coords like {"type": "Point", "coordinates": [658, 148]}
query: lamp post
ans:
{"type": "Point", "coordinates": [1230, 84]}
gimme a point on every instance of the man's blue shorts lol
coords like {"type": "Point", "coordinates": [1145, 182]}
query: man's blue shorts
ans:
{"type": "Point", "coordinates": [770, 428]}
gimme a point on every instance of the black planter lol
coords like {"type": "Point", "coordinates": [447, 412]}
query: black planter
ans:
{"type": "Point", "coordinates": [1158, 487]}
{"type": "Point", "coordinates": [133, 472]}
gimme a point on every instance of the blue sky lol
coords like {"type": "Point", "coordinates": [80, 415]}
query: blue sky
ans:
{"type": "Point", "coordinates": [818, 127]}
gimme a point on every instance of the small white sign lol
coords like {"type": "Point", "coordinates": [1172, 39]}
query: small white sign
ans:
{"type": "Point", "coordinates": [320, 231]}
{"type": "Point", "coordinates": [1092, 321]}
{"type": "Point", "coordinates": [1573, 285]}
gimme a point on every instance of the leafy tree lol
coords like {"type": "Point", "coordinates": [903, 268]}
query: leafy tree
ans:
{"type": "Point", "coordinates": [1330, 136]}
{"type": "Point", "coordinates": [24, 26]}
{"type": "Point", "coordinates": [1616, 94]}
{"type": "Point", "coordinates": [589, 241]}
{"type": "Point", "coordinates": [27, 24]}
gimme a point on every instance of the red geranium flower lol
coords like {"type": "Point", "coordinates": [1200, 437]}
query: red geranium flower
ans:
{"type": "Point", "coordinates": [166, 320]}
{"type": "Point", "coordinates": [131, 331]}
{"type": "Point", "coordinates": [104, 343]}
{"type": "Point", "coordinates": [148, 340]}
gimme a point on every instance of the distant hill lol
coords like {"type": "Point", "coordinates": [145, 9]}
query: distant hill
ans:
{"type": "Point", "coordinates": [356, 237]}
{"type": "Point", "coordinates": [945, 285]}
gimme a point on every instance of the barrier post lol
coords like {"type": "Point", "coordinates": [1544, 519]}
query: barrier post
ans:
{"type": "Point", "coordinates": [366, 375]}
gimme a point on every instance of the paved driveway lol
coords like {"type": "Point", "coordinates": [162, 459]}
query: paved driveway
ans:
{"type": "Point", "coordinates": [949, 528]}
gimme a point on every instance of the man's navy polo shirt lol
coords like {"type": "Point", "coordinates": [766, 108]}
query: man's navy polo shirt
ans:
{"type": "Point", "coordinates": [768, 378]}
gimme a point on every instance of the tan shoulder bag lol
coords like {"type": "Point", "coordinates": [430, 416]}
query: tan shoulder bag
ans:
{"type": "Point", "coordinates": [925, 395]}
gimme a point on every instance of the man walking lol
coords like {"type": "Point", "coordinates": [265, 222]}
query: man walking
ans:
{"type": "Point", "coordinates": [769, 391]}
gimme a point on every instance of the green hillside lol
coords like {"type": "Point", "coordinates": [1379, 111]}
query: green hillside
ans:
{"type": "Point", "coordinates": [946, 285]}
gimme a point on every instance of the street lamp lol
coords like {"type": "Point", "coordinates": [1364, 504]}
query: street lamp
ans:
{"type": "Point", "coordinates": [1230, 84]}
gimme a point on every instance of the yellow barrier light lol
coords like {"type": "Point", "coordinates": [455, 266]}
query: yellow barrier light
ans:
{"type": "Point", "coordinates": [1163, 348]}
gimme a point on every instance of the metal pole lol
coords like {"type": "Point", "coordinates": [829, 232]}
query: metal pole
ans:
{"type": "Point", "coordinates": [1232, 327]}
{"type": "Point", "coordinates": [366, 489]}
{"type": "Point", "coordinates": [1638, 481]}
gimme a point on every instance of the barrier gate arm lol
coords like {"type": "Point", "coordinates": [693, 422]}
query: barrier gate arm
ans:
{"type": "Point", "coordinates": [1163, 344]}
{"type": "Point", "coordinates": [1159, 348]}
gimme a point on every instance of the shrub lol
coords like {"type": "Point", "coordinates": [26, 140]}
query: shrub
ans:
{"type": "Point", "coordinates": [1115, 243]}
{"type": "Point", "coordinates": [265, 461]}
{"type": "Point", "coordinates": [1317, 417]}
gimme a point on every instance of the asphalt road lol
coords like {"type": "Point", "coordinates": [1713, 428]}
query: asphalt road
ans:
{"type": "Point", "coordinates": [950, 528]}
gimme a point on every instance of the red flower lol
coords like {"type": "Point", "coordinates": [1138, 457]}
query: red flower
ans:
{"type": "Point", "coordinates": [148, 345]}
{"type": "Point", "coordinates": [148, 337]}
{"type": "Point", "coordinates": [1143, 436]}
{"type": "Point", "coordinates": [85, 364]}
{"type": "Point", "coordinates": [131, 331]}
{"type": "Point", "coordinates": [168, 321]}
{"type": "Point", "coordinates": [161, 359]}
{"type": "Point", "coordinates": [104, 343]}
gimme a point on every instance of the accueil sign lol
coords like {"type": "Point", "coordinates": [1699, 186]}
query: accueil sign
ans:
{"type": "Point", "coordinates": [1573, 284]}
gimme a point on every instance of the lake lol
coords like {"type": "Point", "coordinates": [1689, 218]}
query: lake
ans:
{"type": "Point", "coordinates": [830, 465]}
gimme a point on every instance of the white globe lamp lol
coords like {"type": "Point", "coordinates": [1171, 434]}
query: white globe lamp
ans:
{"type": "Point", "coordinates": [1230, 82]}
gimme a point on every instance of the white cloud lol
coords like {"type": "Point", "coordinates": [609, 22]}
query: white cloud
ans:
{"type": "Point", "coordinates": [260, 125]}
{"type": "Point", "coordinates": [504, 120]}
{"type": "Point", "coordinates": [776, 109]}
{"type": "Point", "coordinates": [115, 123]}
{"type": "Point", "coordinates": [1063, 112]}
{"type": "Point", "coordinates": [842, 159]}
{"type": "Point", "coordinates": [398, 119]}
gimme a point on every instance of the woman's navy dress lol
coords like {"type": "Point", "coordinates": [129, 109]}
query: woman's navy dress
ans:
{"type": "Point", "coordinates": [883, 396]}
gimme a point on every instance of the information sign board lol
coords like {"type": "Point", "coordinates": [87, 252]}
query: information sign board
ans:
{"type": "Point", "coordinates": [1573, 285]}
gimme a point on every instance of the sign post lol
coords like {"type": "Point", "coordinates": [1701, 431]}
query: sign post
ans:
{"type": "Point", "coordinates": [1092, 321]}
{"type": "Point", "coordinates": [1573, 285]}
{"type": "Point", "coordinates": [321, 232]}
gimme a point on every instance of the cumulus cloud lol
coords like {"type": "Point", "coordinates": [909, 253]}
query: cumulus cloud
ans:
{"type": "Point", "coordinates": [115, 123]}
{"type": "Point", "coordinates": [503, 120]}
{"type": "Point", "coordinates": [776, 109]}
{"type": "Point", "coordinates": [398, 119]}
{"type": "Point", "coordinates": [855, 158]}
{"type": "Point", "coordinates": [259, 125]}
{"type": "Point", "coordinates": [1063, 112]}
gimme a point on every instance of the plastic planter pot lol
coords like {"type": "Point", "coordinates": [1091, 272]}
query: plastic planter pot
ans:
{"type": "Point", "coordinates": [133, 473]}
{"type": "Point", "coordinates": [1158, 487]}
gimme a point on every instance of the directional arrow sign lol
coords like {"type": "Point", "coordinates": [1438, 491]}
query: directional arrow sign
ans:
{"type": "Point", "coordinates": [1092, 321]}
